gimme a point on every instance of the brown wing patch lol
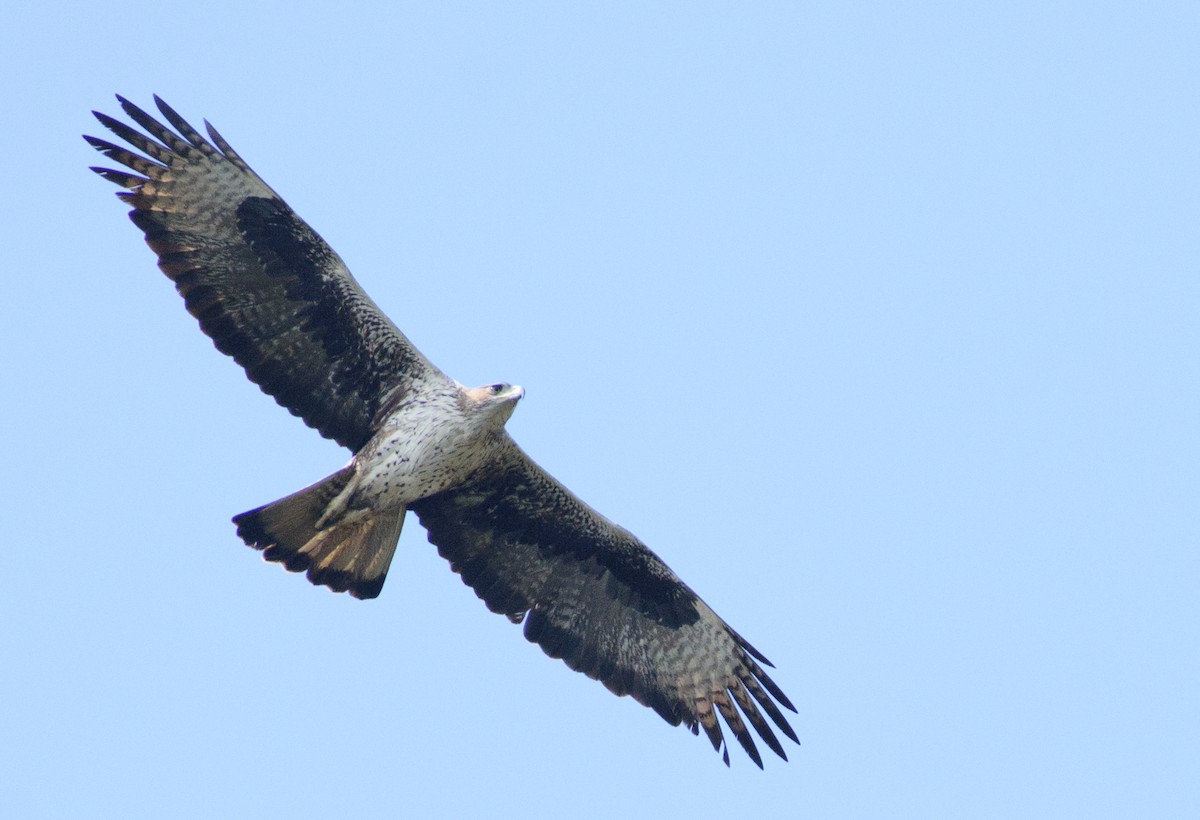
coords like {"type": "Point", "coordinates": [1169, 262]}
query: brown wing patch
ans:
{"type": "Point", "coordinates": [590, 593]}
{"type": "Point", "coordinates": [264, 286]}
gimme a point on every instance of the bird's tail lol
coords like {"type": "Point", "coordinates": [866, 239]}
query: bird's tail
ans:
{"type": "Point", "coordinates": [344, 555]}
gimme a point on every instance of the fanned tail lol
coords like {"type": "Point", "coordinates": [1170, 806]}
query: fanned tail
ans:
{"type": "Point", "coordinates": [346, 556]}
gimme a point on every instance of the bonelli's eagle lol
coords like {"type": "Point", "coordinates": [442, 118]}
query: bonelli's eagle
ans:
{"type": "Point", "coordinates": [271, 294]}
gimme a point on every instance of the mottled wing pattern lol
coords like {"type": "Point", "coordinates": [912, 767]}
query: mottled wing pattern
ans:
{"type": "Point", "coordinates": [264, 286]}
{"type": "Point", "coordinates": [592, 594]}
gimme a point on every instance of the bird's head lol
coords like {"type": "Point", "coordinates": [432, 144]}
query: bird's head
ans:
{"type": "Point", "coordinates": [497, 400]}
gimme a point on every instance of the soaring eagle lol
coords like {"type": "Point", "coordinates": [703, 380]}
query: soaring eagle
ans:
{"type": "Point", "coordinates": [270, 293]}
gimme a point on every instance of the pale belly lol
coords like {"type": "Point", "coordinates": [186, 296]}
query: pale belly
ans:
{"type": "Point", "coordinates": [423, 449]}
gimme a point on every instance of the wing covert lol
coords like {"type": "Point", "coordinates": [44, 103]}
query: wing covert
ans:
{"type": "Point", "coordinates": [591, 593]}
{"type": "Point", "coordinates": [264, 286]}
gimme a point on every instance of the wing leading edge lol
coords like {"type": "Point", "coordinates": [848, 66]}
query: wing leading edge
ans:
{"type": "Point", "coordinates": [274, 296]}
{"type": "Point", "coordinates": [591, 593]}
{"type": "Point", "coordinates": [264, 286]}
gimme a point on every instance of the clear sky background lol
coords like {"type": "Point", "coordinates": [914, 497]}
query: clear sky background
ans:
{"type": "Point", "coordinates": [878, 322]}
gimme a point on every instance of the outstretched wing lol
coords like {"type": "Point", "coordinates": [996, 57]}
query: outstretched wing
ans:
{"type": "Point", "coordinates": [591, 593]}
{"type": "Point", "coordinates": [264, 286]}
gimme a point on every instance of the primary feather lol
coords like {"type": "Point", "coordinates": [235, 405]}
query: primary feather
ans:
{"type": "Point", "coordinates": [274, 296]}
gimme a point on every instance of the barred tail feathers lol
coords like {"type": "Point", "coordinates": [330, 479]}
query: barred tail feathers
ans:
{"type": "Point", "coordinates": [344, 556]}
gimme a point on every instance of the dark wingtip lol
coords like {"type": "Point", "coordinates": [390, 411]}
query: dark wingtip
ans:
{"type": "Point", "coordinates": [166, 110]}
{"type": "Point", "coordinates": [782, 698]}
{"type": "Point", "coordinates": [122, 178]}
{"type": "Point", "coordinates": [747, 743]}
{"type": "Point", "coordinates": [98, 143]}
{"type": "Point", "coordinates": [745, 644]}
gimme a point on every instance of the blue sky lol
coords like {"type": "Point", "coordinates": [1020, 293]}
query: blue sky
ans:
{"type": "Point", "coordinates": [878, 322]}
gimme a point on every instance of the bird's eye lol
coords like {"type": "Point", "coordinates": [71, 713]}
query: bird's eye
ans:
{"type": "Point", "coordinates": [497, 389]}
